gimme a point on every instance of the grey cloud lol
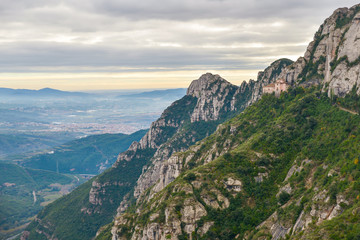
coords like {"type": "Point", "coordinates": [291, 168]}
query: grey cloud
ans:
{"type": "Point", "coordinates": [189, 9]}
{"type": "Point", "coordinates": [25, 55]}
{"type": "Point", "coordinates": [141, 34]}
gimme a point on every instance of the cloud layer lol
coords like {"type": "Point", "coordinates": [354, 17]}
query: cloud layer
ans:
{"type": "Point", "coordinates": [162, 35]}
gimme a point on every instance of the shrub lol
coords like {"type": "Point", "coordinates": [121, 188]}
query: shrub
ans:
{"type": "Point", "coordinates": [284, 197]}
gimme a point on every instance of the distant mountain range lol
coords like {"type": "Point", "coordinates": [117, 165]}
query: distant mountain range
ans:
{"type": "Point", "coordinates": [50, 92]}
{"type": "Point", "coordinates": [44, 92]}
{"type": "Point", "coordinates": [167, 93]}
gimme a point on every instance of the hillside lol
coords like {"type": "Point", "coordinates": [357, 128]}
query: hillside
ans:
{"type": "Point", "coordinates": [209, 101]}
{"type": "Point", "coordinates": [284, 168]}
{"type": "Point", "coordinates": [17, 144]}
{"type": "Point", "coordinates": [270, 171]}
{"type": "Point", "coordinates": [330, 63]}
{"type": "Point", "coordinates": [17, 189]}
{"type": "Point", "coordinates": [88, 155]}
{"type": "Point", "coordinates": [332, 58]}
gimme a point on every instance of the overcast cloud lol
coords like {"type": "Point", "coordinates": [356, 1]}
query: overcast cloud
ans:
{"type": "Point", "coordinates": [162, 35]}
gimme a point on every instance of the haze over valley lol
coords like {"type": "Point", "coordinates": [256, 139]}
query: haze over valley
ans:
{"type": "Point", "coordinates": [49, 117]}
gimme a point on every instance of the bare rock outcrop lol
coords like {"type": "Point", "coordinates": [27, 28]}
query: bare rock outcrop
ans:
{"type": "Point", "coordinates": [333, 57]}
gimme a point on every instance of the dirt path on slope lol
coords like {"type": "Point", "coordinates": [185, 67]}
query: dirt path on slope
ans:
{"type": "Point", "coordinates": [347, 110]}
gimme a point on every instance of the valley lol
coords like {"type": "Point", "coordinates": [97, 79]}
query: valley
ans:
{"type": "Point", "coordinates": [48, 153]}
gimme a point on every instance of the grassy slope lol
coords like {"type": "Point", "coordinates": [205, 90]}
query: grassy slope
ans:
{"type": "Point", "coordinates": [268, 137]}
{"type": "Point", "coordinates": [84, 155]}
{"type": "Point", "coordinates": [11, 144]}
{"type": "Point", "coordinates": [17, 202]}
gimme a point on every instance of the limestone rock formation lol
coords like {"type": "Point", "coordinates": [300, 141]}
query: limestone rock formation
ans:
{"type": "Point", "coordinates": [215, 98]}
{"type": "Point", "coordinates": [333, 57]}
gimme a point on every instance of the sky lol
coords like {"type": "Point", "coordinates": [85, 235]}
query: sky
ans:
{"type": "Point", "coordinates": [124, 44]}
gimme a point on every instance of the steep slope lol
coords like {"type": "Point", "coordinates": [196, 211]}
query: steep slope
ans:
{"type": "Point", "coordinates": [333, 57]}
{"type": "Point", "coordinates": [331, 61]}
{"type": "Point", "coordinates": [280, 166]}
{"type": "Point", "coordinates": [91, 155]}
{"type": "Point", "coordinates": [210, 100]}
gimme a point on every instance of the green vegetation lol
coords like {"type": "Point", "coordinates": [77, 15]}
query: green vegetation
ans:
{"type": "Point", "coordinates": [105, 232]}
{"type": "Point", "coordinates": [17, 186]}
{"type": "Point", "coordinates": [84, 155]}
{"type": "Point", "coordinates": [346, 226]}
{"type": "Point", "coordinates": [284, 197]}
{"type": "Point", "coordinates": [12, 145]}
{"type": "Point", "coordinates": [283, 62]}
{"type": "Point", "coordinates": [311, 69]}
{"type": "Point", "coordinates": [350, 101]}
{"type": "Point", "coordinates": [76, 218]}
{"type": "Point", "coordinates": [343, 19]}
{"type": "Point", "coordinates": [345, 59]}
{"type": "Point", "coordinates": [302, 128]}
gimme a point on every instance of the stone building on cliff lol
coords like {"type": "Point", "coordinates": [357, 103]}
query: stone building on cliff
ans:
{"type": "Point", "coordinates": [278, 87]}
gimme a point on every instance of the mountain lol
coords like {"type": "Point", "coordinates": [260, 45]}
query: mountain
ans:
{"type": "Point", "coordinates": [23, 192]}
{"type": "Point", "coordinates": [44, 92]}
{"type": "Point", "coordinates": [88, 155]}
{"type": "Point", "coordinates": [286, 167]}
{"type": "Point", "coordinates": [304, 139]}
{"type": "Point", "coordinates": [11, 144]}
{"type": "Point", "coordinates": [209, 101]}
{"type": "Point", "coordinates": [282, 166]}
{"type": "Point", "coordinates": [332, 58]}
{"type": "Point", "coordinates": [176, 93]}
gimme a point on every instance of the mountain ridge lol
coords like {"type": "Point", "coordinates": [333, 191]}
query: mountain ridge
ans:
{"type": "Point", "coordinates": [175, 130]}
{"type": "Point", "coordinates": [332, 58]}
{"type": "Point", "coordinates": [88, 155]}
{"type": "Point", "coordinates": [44, 92]}
{"type": "Point", "coordinates": [231, 184]}
{"type": "Point", "coordinates": [306, 71]}
{"type": "Point", "coordinates": [273, 131]}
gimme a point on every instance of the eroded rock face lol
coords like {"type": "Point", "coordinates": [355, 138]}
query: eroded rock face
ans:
{"type": "Point", "coordinates": [215, 98]}
{"type": "Point", "coordinates": [192, 212]}
{"type": "Point", "coordinates": [97, 196]}
{"type": "Point", "coordinates": [214, 94]}
{"type": "Point", "coordinates": [211, 97]}
{"type": "Point", "coordinates": [332, 58]}
{"type": "Point", "coordinates": [274, 227]}
{"type": "Point", "coordinates": [170, 170]}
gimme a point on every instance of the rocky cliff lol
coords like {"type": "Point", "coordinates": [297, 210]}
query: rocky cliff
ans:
{"type": "Point", "coordinates": [267, 173]}
{"type": "Point", "coordinates": [178, 201]}
{"type": "Point", "coordinates": [332, 58]}
{"type": "Point", "coordinates": [216, 100]}
{"type": "Point", "coordinates": [209, 101]}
